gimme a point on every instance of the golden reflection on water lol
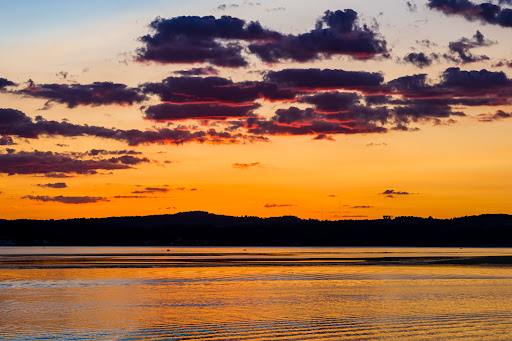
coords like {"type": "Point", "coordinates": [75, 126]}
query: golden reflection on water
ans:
{"type": "Point", "coordinates": [262, 302]}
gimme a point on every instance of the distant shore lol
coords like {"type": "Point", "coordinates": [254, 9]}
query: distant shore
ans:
{"type": "Point", "coordinates": [205, 229]}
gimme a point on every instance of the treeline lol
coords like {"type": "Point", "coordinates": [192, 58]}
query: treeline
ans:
{"type": "Point", "coordinates": [201, 228]}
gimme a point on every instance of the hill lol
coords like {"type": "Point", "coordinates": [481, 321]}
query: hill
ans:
{"type": "Point", "coordinates": [201, 228]}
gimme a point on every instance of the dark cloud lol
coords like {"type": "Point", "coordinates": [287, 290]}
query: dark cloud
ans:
{"type": "Point", "coordinates": [503, 63]}
{"type": "Point", "coordinates": [50, 163]}
{"type": "Point", "coordinates": [15, 122]}
{"type": "Point", "coordinates": [499, 115]}
{"type": "Point", "coordinates": [420, 60]}
{"type": "Point", "coordinates": [128, 160]}
{"type": "Point", "coordinates": [95, 152]}
{"type": "Point", "coordinates": [211, 111]}
{"type": "Point", "coordinates": [192, 39]}
{"type": "Point", "coordinates": [199, 71]}
{"type": "Point", "coordinates": [485, 12]}
{"type": "Point", "coordinates": [308, 79]}
{"type": "Point", "coordinates": [5, 82]}
{"type": "Point", "coordinates": [460, 49]}
{"type": "Point", "coordinates": [214, 90]}
{"type": "Point", "coordinates": [364, 206]}
{"type": "Point", "coordinates": [66, 200]}
{"type": "Point", "coordinates": [180, 136]}
{"type": "Point", "coordinates": [6, 141]}
{"type": "Point", "coordinates": [456, 85]}
{"type": "Point", "coordinates": [277, 205]}
{"type": "Point", "coordinates": [324, 137]}
{"type": "Point", "coordinates": [391, 192]}
{"type": "Point", "coordinates": [130, 197]}
{"type": "Point", "coordinates": [54, 185]}
{"type": "Point", "coordinates": [332, 101]}
{"type": "Point", "coordinates": [223, 7]}
{"type": "Point", "coordinates": [246, 165]}
{"type": "Point", "coordinates": [95, 94]}
{"type": "Point", "coordinates": [411, 6]}
{"type": "Point", "coordinates": [152, 190]}
{"type": "Point", "coordinates": [354, 216]}
{"type": "Point", "coordinates": [377, 99]}
{"type": "Point", "coordinates": [57, 175]}
{"type": "Point", "coordinates": [426, 43]}
{"type": "Point", "coordinates": [483, 79]}
{"type": "Point", "coordinates": [336, 33]}
{"type": "Point", "coordinates": [62, 74]}
{"type": "Point", "coordinates": [295, 121]}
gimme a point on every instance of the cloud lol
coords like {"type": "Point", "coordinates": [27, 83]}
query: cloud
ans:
{"type": "Point", "coordinates": [276, 9]}
{"type": "Point", "coordinates": [361, 206]}
{"type": "Point", "coordinates": [456, 87]}
{"type": "Point", "coordinates": [210, 111]}
{"type": "Point", "coordinates": [246, 165]}
{"type": "Point", "coordinates": [66, 200]}
{"type": "Point", "coordinates": [95, 94]}
{"type": "Point", "coordinates": [485, 12]}
{"type": "Point", "coordinates": [502, 63]}
{"type": "Point", "coordinates": [376, 144]}
{"type": "Point", "coordinates": [332, 101]}
{"type": "Point", "coordinates": [57, 175]}
{"type": "Point", "coordinates": [54, 185]}
{"type": "Point", "coordinates": [15, 122]}
{"type": "Point", "coordinates": [460, 49]}
{"type": "Point", "coordinates": [62, 74]}
{"type": "Point", "coordinates": [223, 7]}
{"type": "Point", "coordinates": [6, 141]}
{"type": "Point", "coordinates": [50, 163]}
{"type": "Point", "coordinates": [152, 190]}
{"type": "Point", "coordinates": [95, 152]}
{"type": "Point", "coordinates": [5, 82]}
{"type": "Point", "coordinates": [193, 39]}
{"type": "Point", "coordinates": [336, 33]}
{"type": "Point", "coordinates": [307, 79]}
{"type": "Point", "coordinates": [353, 216]}
{"type": "Point", "coordinates": [295, 121]}
{"type": "Point", "coordinates": [180, 136]}
{"type": "Point", "coordinates": [499, 115]}
{"type": "Point", "coordinates": [277, 205]}
{"type": "Point", "coordinates": [324, 137]}
{"type": "Point", "coordinates": [420, 60]}
{"type": "Point", "coordinates": [130, 197]}
{"type": "Point", "coordinates": [390, 193]}
{"type": "Point", "coordinates": [412, 6]}
{"type": "Point", "coordinates": [218, 90]}
{"type": "Point", "coordinates": [128, 160]}
{"type": "Point", "coordinates": [199, 71]}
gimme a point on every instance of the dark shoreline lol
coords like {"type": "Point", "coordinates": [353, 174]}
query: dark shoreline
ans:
{"type": "Point", "coordinates": [204, 229]}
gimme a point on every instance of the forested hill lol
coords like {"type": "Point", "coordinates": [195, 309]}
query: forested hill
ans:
{"type": "Point", "coordinates": [201, 228]}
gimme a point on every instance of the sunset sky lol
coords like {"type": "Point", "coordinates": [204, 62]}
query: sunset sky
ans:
{"type": "Point", "coordinates": [317, 109]}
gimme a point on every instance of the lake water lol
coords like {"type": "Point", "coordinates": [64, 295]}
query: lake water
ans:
{"type": "Point", "coordinates": [237, 293]}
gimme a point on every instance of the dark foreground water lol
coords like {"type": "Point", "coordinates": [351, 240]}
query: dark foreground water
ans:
{"type": "Point", "coordinates": [251, 293]}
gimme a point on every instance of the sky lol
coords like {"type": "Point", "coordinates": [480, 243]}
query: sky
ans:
{"type": "Point", "coordinates": [323, 110]}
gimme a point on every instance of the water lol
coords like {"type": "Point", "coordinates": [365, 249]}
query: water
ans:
{"type": "Point", "coordinates": [250, 293]}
